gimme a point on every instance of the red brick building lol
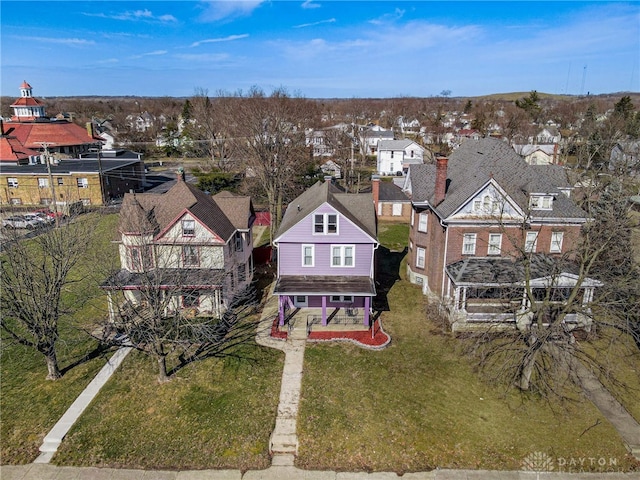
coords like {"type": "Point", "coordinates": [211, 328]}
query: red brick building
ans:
{"type": "Point", "coordinates": [481, 215]}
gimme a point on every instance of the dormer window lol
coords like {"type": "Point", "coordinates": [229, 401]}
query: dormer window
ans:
{"type": "Point", "coordinates": [541, 202]}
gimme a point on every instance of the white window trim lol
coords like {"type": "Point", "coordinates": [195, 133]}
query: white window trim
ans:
{"type": "Point", "coordinates": [420, 257]}
{"type": "Point", "coordinates": [342, 256]}
{"type": "Point", "coordinates": [341, 298]}
{"type": "Point", "coordinates": [422, 222]}
{"type": "Point", "coordinates": [313, 255]}
{"type": "Point", "coordinates": [12, 182]}
{"type": "Point", "coordinates": [530, 245]}
{"type": "Point", "coordinates": [494, 248]}
{"type": "Point", "coordinates": [536, 202]}
{"type": "Point", "coordinates": [82, 182]}
{"type": "Point", "coordinates": [469, 239]}
{"type": "Point", "coordinates": [413, 214]}
{"type": "Point", "coordinates": [43, 183]}
{"type": "Point", "coordinates": [325, 224]}
{"type": "Point", "coordinates": [182, 229]}
{"type": "Point", "coordinates": [559, 238]}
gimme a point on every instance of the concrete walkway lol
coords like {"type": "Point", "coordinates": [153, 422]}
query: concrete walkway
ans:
{"type": "Point", "coordinates": [53, 439]}
{"type": "Point", "coordinates": [51, 472]}
{"type": "Point", "coordinates": [627, 426]}
{"type": "Point", "coordinates": [283, 444]}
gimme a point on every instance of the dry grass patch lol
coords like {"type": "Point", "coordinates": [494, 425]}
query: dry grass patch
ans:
{"type": "Point", "coordinates": [217, 413]}
{"type": "Point", "coordinates": [418, 405]}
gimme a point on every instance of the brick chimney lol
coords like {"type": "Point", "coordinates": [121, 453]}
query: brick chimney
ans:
{"type": "Point", "coordinates": [441, 179]}
{"type": "Point", "coordinates": [375, 190]}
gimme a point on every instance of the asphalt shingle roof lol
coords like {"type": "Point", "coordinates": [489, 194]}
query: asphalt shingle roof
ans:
{"type": "Point", "coordinates": [152, 212]}
{"type": "Point", "coordinates": [357, 207]}
{"type": "Point", "coordinates": [475, 162]}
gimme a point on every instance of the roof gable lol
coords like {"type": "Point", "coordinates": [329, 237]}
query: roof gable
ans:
{"type": "Point", "coordinates": [358, 208]}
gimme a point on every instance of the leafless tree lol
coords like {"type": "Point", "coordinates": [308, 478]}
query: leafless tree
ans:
{"type": "Point", "coordinates": [208, 128]}
{"type": "Point", "coordinates": [34, 276]}
{"type": "Point", "coordinates": [271, 139]}
{"type": "Point", "coordinates": [562, 325]}
{"type": "Point", "coordinates": [155, 310]}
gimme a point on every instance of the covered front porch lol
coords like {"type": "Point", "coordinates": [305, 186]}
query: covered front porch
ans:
{"type": "Point", "coordinates": [324, 302]}
{"type": "Point", "coordinates": [499, 292]}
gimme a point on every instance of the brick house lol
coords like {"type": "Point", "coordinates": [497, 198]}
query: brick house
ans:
{"type": "Point", "coordinates": [476, 217]}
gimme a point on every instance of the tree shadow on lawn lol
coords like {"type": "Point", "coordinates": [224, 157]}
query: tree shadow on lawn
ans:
{"type": "Point", "coordinates": [387, 274]}
{"type": "Point", "coordinates": [100, 350]}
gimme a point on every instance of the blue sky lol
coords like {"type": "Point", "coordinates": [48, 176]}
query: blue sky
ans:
{"type": "Point", "coordinates": [319, 48]}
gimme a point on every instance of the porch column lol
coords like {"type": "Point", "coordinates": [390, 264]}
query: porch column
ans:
{"type": "Point", "coordinates": [324, 310]}
{"type": "Point", "coordinates": [456, 299]}
{"type": "Point", "coordinates": [280, 310]}
{"type": "Point", "coordinates": [366, 311]}
{"type": "Point", "coordinates": [464, 299]}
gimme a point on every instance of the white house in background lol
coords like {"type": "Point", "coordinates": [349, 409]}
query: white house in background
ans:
{"type": "Point", "coordinates": [548, 134]}
{"type": "Point", "coordinates": [331, 168]}
{"type": "Point", "coordinates": [370, 138]}
{"type": "Point", "coordinates": [538, 154]}
{"type": "Point", "coordinates": [396, 155]}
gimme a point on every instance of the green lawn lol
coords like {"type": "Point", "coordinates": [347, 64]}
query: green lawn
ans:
{"type": "Point", "coordinates": [418, 405]}
{"type": "Point", "coordinates": [394, 236]}
{"type": "Point", "coordinates": [31, 405]}
{"type": "Point", "coordinates": [218, 413]}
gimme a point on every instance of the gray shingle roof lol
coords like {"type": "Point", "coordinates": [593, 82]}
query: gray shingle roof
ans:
{"type": "Point", "coordinates": [394, 144]}
{"type": "Point", "coordinates": [149, 212]}
{"type": "Point", "coordinates": [357, 207]}
{"type": "Point", "coordinates": [475, 162]}
{"type": "Point", "coordinates": [389, 192]}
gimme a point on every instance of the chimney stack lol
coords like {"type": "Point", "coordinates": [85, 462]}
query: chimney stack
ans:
{"type": "Point", "coordinates": [375, 190]}
{"type": "Point", "coordinates": [441, 179]}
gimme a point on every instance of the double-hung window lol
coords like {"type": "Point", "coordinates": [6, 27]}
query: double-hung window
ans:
{"type": "Point", "coordinates": [342, 255]}
{"type": "Point", "coordinates": [420, 256]}
{"type": "Point", "coordinates": [190, 257]}
{"type": "Point", "coordinates": [188, 228]}
{"type": "Point", "coordinates": [422, 222]}
{"type": "Point", "coordinates": [308, 255]}
{"type": "Point", "coordinates": [556, 242]}
{"type": "Point", "coordinates": [12, 182]}
{"type": "Point", "coordinates": [530, 242]}
{"type": "Point", "coordinates": [495, 244]}
{"type": "Point", "coordinates": [326, 223]}
{"type": "Point", "coordinates": [469, 244]}
{"type": "Point", "coordinates": [82, 182]}
{"type": "Point", "coordinates": [43, 182]}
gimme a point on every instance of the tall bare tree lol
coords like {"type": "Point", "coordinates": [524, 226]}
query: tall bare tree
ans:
{"type": "Point", "coordinates": [271, 139]}
{"type": "Point", "coordinates": [34, 275]}
{"type": "Point", "coordinates": [208, 128]}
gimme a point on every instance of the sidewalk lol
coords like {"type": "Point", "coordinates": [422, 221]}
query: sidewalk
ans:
{"type": "Point", "coordinates": [51, 472]}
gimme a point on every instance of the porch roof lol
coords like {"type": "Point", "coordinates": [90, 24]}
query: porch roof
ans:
{"type": "Point", "coordinates": [496, 271]}
{"type": "Point", "coordinates": [166, 278]}
{"type": "Point", "coordinates": [324, 285]}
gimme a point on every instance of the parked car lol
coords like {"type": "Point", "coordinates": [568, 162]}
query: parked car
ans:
{"type": "Point", "coordinates": [19, 221]}
{"type": "Point", "coordinates": [41, 218]}
{"type": "Point", "coordinates": [51, 214]}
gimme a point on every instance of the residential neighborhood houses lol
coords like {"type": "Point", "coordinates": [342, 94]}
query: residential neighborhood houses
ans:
{"type": "Point", "coordinates": [487, 225]}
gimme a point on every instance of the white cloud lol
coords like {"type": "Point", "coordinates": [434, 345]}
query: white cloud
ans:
{"type": "Point", "coordinates": [389, 17]}
{"type": "Point", "coordinates": [136, 15]}
{"type": "Point", "coordinates": [60, 40]}
{"type": "Point", "coordinates": [230, 38]}
{"type": "Point", "coordinates": [304, 25]}
{"type": "Point", "coordinates": [214, 10]}
{"type": "Point", "coordinates": [310, 4]}
{"type": "Point", "coordinates": [155, 53]}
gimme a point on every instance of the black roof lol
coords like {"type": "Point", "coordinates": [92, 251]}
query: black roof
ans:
{"type": "Point", "coordinates": [68, 166]}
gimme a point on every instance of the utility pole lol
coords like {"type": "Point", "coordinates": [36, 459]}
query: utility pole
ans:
{"type": "Point", "coordinates": [54, 201]}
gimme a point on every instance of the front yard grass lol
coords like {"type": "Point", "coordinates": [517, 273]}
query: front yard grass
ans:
{"type": "Point", "coordinates": [217, 413]}
{"type": "Point", "coordinates": [31, 405]}
{"type": "Point", "coordinates": [418, 405]}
